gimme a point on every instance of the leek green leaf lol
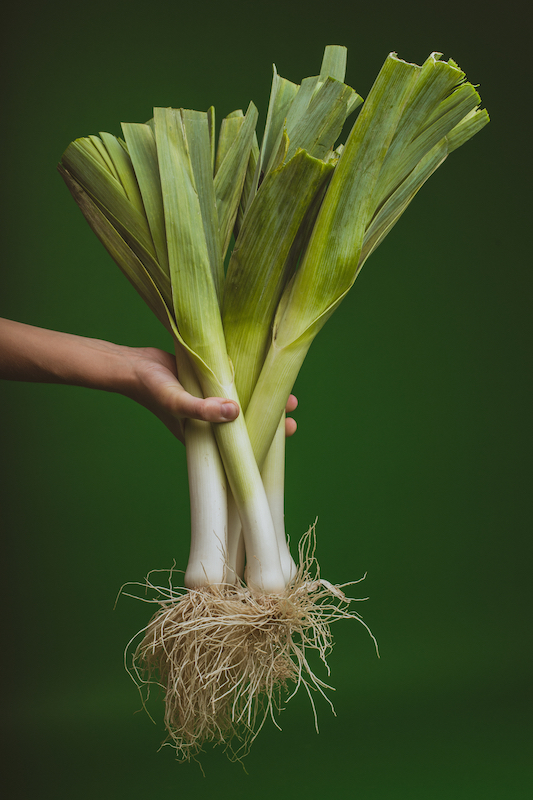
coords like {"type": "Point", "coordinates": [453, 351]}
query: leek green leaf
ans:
{"type": "Point", "coordinates": [393, 208]}
{"type": "Point", "coordinates": [318, 128]}
{"type": "Point", "coordinates": [229, 128]}
{"type": "Point", "coordinates": [330, 263]}
{"type": "Point", "coordinates": [142, 148]}
{"type": "Point", "coordinates": [248, 186]}
{"type": "Point", "coordinates": [259, 266]}
{"type": "Point", "coordinates": [333, 255]}
{"type": "Point", "coordinates": [468, 127]}
{"type": "Point", "coordinates": [229, 180]}
{"type": "Point", "coordinates": [122, 164]}
{"type": "Point", "coordinates": [282, 94]}
{"type": "Point", "coordinates": [212, 137]}
{"type": "Point", "coordinates": [121, 252]}
{"type": "Point", "coordinates": [333, 63]}
{"type": "Point", "coordinates": [99, 151]}
{"type": "Point", "coordinates": [107, 191]}
{"type": "Point", "coordinates": [415, 140]}
{"type": "Point", "coordinates": [194, 290]}
{"type": "Point", "coordinates": [196, 131]}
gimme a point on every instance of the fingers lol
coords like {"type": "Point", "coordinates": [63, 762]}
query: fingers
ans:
{"type": "Point", "coordinates": [212, 409]}
{"type": "Point", "coordinates": [290, 423]}
{"type": "Point", "coordinates": [290, 426]}
{"type": "Point", "coordinates": [163, 394]}
{"type": "Point", "coordinates": [216, 409]}
{"type": "Point", "coordinates": [292, 404]}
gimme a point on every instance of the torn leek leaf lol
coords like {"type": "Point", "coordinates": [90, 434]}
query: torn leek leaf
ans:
{"type": "Point", "coordinates": [333, 63]}
{"type": "Point", "coordinates": [309, 116]}
{"type": "Point", "coordinates": [157, 297]}
{"type": "Point", "coordinates": [334, 254]}
{"type": "Point", "coordinates": [108, 192]}
{"type": "Point", "coordinates": [282, 94]}
{"type": "Point", "coordinates": [391, 210]}
{"type": "Point", "coordinates": [143, 152]}
{"type": "Point", "coordinates": [468, 127]}
{"type": "Point", "coordinates": [317, 128]}
{"type": "Point", "coordinates": [231, 175]}
{"type": "Point", "coordinates": [260, 267]}
{"type": "Point", "coordinates": [229, 128]}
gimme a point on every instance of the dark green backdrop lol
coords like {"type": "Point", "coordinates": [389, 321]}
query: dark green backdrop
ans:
{"type": "Point", "coordinates": [414, 429]}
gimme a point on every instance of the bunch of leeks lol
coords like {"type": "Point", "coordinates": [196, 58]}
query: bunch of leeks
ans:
{"type": "Point", "coordinates": [305, 214]}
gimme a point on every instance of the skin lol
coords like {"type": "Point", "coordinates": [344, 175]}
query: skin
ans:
{"type": "Point", "coordinates": [145, 374]}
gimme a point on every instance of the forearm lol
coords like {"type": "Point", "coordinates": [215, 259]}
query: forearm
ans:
{"type": "Point", "coordinates": [35, 354]}
{"type": "Point", "coordinates": [144, 374]}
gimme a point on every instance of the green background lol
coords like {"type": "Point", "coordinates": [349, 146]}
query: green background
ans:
{"type": "Point", "coordinates": [414, 425]}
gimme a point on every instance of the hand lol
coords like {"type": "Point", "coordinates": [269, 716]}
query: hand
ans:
{"type": "Point", "coordinates": [145, 374]}
{"type": "Point", "coordinates": [157, 388]}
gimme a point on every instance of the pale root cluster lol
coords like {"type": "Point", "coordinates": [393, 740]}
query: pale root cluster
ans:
{"type": "Point", "coordinates": [227, 658]}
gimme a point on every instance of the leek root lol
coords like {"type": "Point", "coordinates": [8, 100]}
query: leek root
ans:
{"type": "Point", "coordinates": [225, 655]}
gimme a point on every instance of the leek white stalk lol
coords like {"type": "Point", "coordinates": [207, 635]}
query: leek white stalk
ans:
{"type": "Point", "coordinates": [208, 493]}
{"type": "Point", "coordinates": [273, 475]}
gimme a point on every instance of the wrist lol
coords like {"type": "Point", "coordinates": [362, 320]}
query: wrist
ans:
{"type": "Point", "coordinates": [106, 366]}
{"type": "Point", "coordinates": [28, 353]}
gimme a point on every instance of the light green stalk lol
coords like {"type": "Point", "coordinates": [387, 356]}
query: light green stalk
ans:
{"type": "Point", "coordinates": [143, 152]}
{"type": "Point", "coordinates": [273, 475]}
{"type": "Point", "coordinates": [198, 320]}
{"type": "Point", "coordinates": [260, 266]}
{"type": "Point", "coordinates": [296, 165]}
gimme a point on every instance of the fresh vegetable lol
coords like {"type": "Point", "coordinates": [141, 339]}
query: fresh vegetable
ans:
{"type": "Point", "coordinates": [305, 213]}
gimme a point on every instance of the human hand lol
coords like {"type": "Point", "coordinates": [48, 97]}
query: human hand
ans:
{"type": "Point", "coordinates": [158, 389]}
{"type": "Point", "coordinates": [145, 374]}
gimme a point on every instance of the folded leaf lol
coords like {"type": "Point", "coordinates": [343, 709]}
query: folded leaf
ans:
{"type": "Point", "coordinates": [229, 180]}
{"type": "Point", "coordinates": [142, 148]}
{"type": "Point", "coordinates": [260, 266]}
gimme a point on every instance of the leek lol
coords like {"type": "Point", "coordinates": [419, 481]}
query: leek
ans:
{"type": "Point", "coordinates": [305, 212]}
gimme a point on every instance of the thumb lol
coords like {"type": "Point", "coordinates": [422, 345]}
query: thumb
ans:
{"type": "Point", "coordinates": [212, 409]}
{"type": "Point", "coordinates": [217, 409]}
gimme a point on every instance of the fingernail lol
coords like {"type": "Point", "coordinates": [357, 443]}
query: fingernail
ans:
{"type": "Point", "coordinates": [228, 411]}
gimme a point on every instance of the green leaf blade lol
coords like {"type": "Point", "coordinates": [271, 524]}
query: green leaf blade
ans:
{"type": "Point", "coordinates": [334, 63]}
{"type": "Point", "coordinates": [195, 298]}
{"type": "Point", "coordinates": [124, 167]}
{"type": "Point", "coordinates": [107, 191]}
{"type": "Point", "coordinates": [196, 129]}
{"type": "Point", "coordinates": [119, 250]}
{"type": "Point", "coordinates": [260, 266]}
{"type": "Point", "coordinates": [330, 264]}
{"type": "Point", "coordinates": [230, 178]}
{"type": "Point", "coordinates": [142, 147]}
